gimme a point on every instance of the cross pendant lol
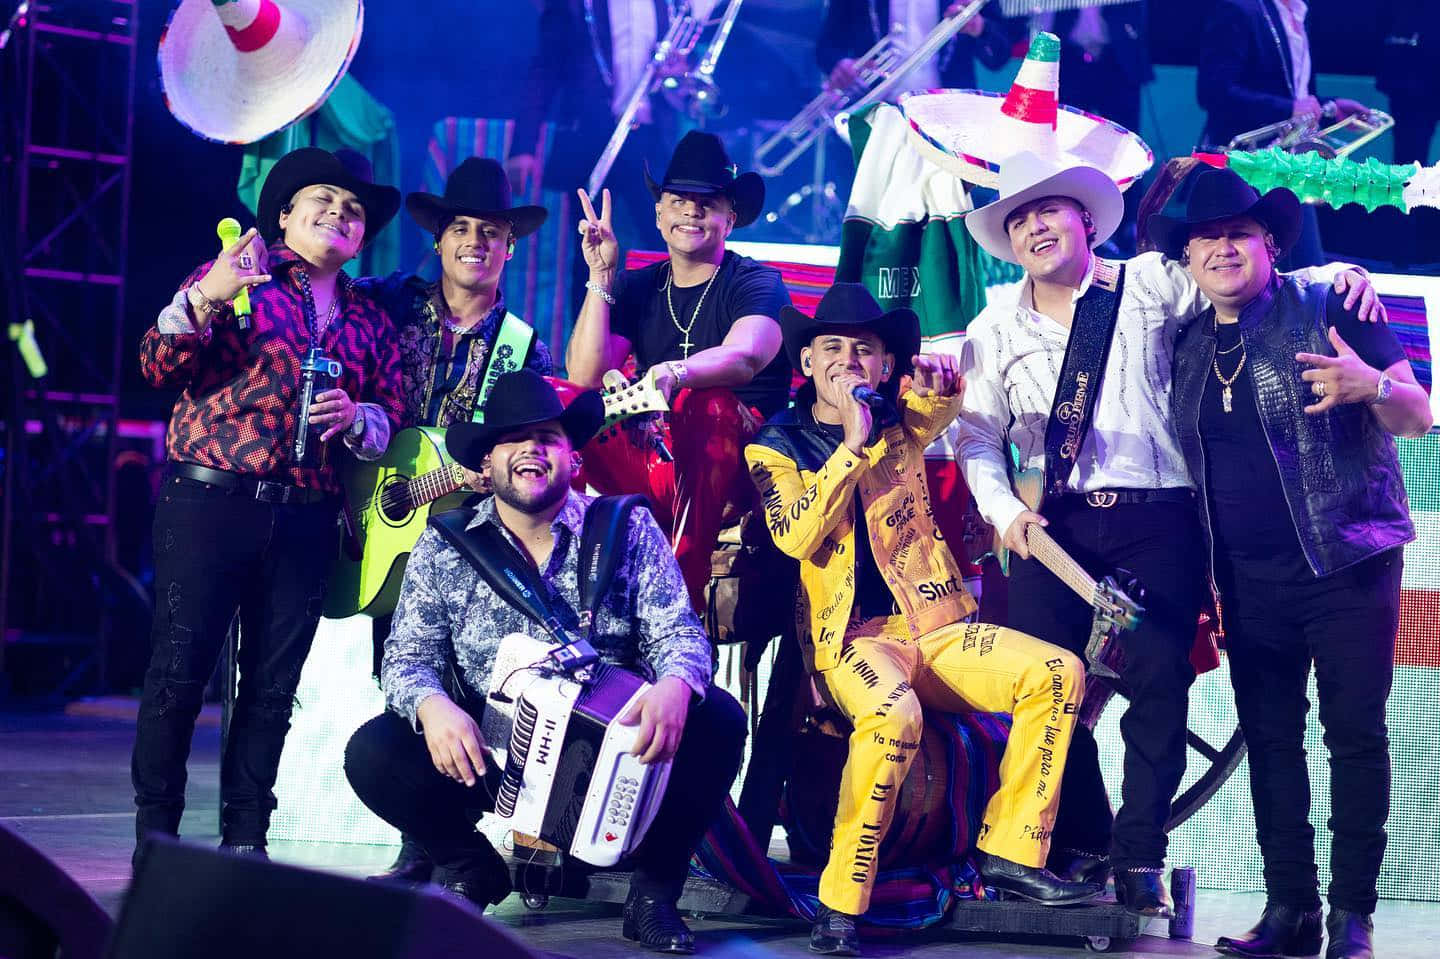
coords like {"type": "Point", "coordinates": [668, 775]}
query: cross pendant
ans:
{"type": "Point", "coordinates": [685, 346]}
{"type": "Point", "coordinates": [1225, 400]}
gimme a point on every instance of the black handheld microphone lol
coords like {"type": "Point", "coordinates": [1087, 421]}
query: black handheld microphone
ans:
{"type": "Point", "coordinates": [869, 397]}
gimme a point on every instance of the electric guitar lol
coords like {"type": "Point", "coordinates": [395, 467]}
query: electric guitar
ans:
{"type": "Point", "coordinates": [391, 499]}
{"type": "Point", "coordinates": [1114, 608]}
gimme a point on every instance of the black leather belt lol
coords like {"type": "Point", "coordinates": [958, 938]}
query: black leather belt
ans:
{"type": "Point", "coordinates": [266, 491]}
{"type": "Point", "coordinates": [1106, 498]}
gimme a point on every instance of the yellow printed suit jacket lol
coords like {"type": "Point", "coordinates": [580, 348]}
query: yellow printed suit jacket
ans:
{"type": "Point", "coordinates": [808, 481]}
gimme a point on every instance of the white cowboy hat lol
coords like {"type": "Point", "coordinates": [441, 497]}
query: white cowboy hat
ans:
{"type": "Point", "coordinates": [971, 133]}
{"type": "Point", "coordinates": [237, 71]}
{"type": "Point", "coordinates": [1026, 177]}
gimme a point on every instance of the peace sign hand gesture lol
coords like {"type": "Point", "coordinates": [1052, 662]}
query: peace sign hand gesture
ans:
{"type": "Point", "coordinates": [597, 237]}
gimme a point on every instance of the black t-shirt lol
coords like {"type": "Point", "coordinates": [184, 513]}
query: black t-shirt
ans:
{"type": "Point", "coordinates": [1254, 532]}
{"type": "Point", "coordinates": [742, 287]}
{"type": "Point", "coordinates": [872, 594]}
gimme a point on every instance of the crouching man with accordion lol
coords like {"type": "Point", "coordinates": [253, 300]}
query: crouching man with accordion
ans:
{"type": "Point", "coordinates": [450, 619]}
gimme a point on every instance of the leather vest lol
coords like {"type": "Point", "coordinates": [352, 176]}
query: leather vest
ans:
{"type": "Point", "coordinates": [1340, 470]}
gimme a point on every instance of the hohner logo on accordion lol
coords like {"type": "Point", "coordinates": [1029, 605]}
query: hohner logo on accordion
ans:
{"type": "Point", "coordinates": [569, 776]}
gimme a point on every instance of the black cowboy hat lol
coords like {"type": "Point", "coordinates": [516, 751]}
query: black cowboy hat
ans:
{"type": "Point", "coordinates": [518, 399]}
{"type": "Point", "coordinates": [310, 165]}
{"type": "Point", "coordinates": [1210, 194]}
{"type": "Point", "coordinates": [701, 165]}
{"type": "Point", "coordinates": [850, 305]}
{"type": "Point", "coordinates": [477, 187]}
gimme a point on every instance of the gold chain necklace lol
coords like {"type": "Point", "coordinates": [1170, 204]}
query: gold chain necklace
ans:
{"type": "Point", "coordinates": [686, 344]}
{"type": "Point", "coordinates": [1226, 395]}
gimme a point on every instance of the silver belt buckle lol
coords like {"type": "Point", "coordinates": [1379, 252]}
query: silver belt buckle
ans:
{"type": "Point", "coordinates": [1102, 498]}
{"type": "Point", "coordinates": [269, 491]}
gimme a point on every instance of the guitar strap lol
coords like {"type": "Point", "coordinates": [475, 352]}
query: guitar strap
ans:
{"type": "Point", "coordinates": [514, 579]}
{"type": "Point", "coordinates": [512, 346]}
{"type": "Point", "coordinates": [1081, 374]}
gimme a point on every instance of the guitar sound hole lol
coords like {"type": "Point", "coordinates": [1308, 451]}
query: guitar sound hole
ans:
{"type": "Point", "coordinates": [395, 501]}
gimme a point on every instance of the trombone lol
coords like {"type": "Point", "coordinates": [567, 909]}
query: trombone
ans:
{"type": "Point", "coordinates": [694, 91]}
{"type": "Point", "coordinates": [880, 70]}
{"type": "Point", "coordinates": [1304, 134]}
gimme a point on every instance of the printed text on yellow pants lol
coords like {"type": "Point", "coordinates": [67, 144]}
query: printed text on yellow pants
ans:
{"type": "Point", "coordinates": [881, 683]}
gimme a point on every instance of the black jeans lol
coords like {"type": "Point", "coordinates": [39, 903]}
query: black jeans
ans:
{"type": "Point", "coordinates": [389, 767]}
{"type": "Point", "coordinates": [1160, 544]}
{"type": "Point", "coordinates": [1345, 624]}
{"type": "Point", "coordinates": [217, 552]}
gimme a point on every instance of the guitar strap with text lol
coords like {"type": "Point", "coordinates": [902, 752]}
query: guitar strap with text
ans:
{"type": "Point", "coordinates": [512, 346]}
{"type": "Point", "coordinates": [1081, 374]}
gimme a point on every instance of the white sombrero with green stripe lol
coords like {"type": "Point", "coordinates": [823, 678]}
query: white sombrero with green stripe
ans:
{"type": "Point", "coordinates": [235, 71]}
{"type": "Point", "coordinates": [971, 133]}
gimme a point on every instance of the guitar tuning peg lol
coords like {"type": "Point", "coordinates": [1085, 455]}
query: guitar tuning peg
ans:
{"type": "Point", "coordinates": [613, 381]}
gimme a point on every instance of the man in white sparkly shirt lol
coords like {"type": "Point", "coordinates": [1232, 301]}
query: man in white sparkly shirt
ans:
{"type": "Point", "coordinates": [1118, 494]}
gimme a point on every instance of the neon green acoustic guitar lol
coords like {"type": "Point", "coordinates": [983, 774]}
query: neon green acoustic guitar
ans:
{"type": "Point", "coordinates": [391, 499]}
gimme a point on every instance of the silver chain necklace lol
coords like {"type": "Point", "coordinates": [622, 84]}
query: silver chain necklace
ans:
{"type": "Point", "coordinates": [686, 344]}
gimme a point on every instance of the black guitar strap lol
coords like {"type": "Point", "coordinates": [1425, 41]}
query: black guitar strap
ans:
{"type": "Point", "coordinates": [513, 578]}
{"type": "Point", "coordinates": [1081, 374]}
{"type": "Point", "coordinates": [602, 543]}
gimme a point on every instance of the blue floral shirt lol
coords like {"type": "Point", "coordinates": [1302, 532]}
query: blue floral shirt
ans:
{"type": "Point", "coordinates": [448, 614]}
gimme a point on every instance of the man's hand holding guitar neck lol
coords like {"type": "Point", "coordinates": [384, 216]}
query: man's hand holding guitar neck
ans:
{"type": "Point", "coordinates": [1015, 540]}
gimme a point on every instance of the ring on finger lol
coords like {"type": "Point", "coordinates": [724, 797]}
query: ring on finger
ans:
{"type": "Point", "coordinates": [246, 261]}
{"type": "Point", "coordinates": [1318, 388]}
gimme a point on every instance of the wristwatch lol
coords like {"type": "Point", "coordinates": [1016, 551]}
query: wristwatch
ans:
{"type": "Point", "coordinates": [1383, 389]}
{"type": "Point", "coordinates": [679, 370]}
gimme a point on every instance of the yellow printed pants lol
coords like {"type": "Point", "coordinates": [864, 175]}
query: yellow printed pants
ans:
{"type": "Point", "coordinates": [882, 682]}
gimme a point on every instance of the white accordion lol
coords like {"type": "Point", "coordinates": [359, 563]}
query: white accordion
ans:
{"type": "Point", "coordinates": [569, 777]}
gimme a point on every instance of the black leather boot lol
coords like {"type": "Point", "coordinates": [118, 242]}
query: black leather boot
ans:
{"type": "Point", "coordinates": [1032, 882]}
{"type": "Point", "coordinates": [1076, 865]}
{"type": "Point", "coordinates": [483, 887]}
{"type": "Point", "coordinates": [1281, 931]}
{"type": "Point", "coordinates": [412, 864]}
{"type": "Point", "coordinates": [1351, 935]}
{"type": "Point", "coordinates": [656, 924]}
{"type": "Point", "coordinates": [834, 933]}
{"type": "Point", "coordinates": [1141, 890]}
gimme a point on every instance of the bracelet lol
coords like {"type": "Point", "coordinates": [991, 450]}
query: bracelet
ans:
{"type": "Point", "coordinates": [600, 291]}
{"type": "Point", "coordinates": [206, 305]}
{"type": "Point", "coordinates": [679, 370]}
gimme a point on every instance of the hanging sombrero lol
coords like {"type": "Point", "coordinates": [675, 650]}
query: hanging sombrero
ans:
{"type": "Point", "coordinates": [970, 133]}
{"type": "Point", "coordinates": [235, 71]}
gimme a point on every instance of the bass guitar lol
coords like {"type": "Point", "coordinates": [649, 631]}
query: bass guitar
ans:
{"type": "Point", "coordinates": [391, 499]}
{"type": "Point", "coordinates": [1115, 607]}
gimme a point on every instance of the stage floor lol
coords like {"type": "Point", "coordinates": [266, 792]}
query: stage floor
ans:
{"type": "Point", "coordinates": [65, 787]}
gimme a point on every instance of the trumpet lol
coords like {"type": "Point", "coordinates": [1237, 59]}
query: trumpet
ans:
{"type": "Point", "coordinates": [693, 92]}
{"type": "Point", "coordinates": [879, 70]}
{"type": "Point", "coordinates": [1304, 134]}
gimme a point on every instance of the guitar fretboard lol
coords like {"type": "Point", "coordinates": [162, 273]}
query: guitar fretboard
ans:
{"type": "Point", "coordinates": [1059, 562]}
{"type": "Point", "coordinates": [401, 498]}
{"type": "Point", "coordinates": [437, 483]}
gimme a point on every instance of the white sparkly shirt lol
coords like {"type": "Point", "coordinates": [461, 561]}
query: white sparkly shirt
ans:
{"type": "Point", "coordinates": [1011, 355]}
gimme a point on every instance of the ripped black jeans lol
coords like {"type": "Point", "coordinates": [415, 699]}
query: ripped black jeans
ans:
{"type": "Point", "coordinates": [216, 552]}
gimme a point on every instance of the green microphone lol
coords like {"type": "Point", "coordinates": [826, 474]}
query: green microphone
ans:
{"type": "Point", "coordinates": [228, 230]}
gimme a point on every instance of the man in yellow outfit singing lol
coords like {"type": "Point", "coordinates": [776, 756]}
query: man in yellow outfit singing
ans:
{"type": "Point", "coordinates": [842, 479]}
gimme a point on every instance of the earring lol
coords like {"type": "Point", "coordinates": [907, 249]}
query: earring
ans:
{"type": "Point", "coordinates": [884, 371]}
